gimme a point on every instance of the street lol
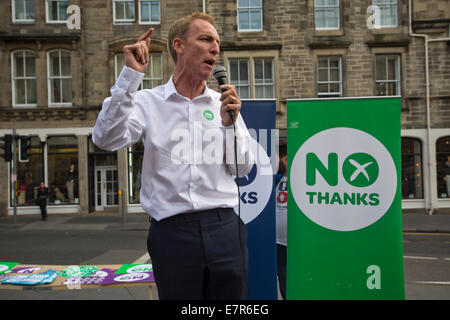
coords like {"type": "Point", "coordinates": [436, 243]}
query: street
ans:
{"type": "Point", "coordinates": [69, 240]}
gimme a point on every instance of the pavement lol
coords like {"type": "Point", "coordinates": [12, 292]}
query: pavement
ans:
{"type": "Point", "coordinates": [133, 222]}
{"type": "Point", "coordinates": [412, 222]}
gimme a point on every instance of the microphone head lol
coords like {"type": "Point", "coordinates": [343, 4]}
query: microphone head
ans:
{"type": "Point", "coordinates": [220, 72]}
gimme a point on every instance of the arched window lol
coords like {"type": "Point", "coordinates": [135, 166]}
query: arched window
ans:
{"type": "Point", "coordinates": [412, 181]}
{"type": "Point", "coordinates": [60, 78]}
{"type": "Point", "coordinates": [443, 167]}
{"type": "Point", "coordinates": [23, 78]}
{"type": "Point", "coordinates": [153, 75]}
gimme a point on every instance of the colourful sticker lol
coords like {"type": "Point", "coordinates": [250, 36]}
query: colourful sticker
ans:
{"type": "Point", "coordinates": [208, 114]}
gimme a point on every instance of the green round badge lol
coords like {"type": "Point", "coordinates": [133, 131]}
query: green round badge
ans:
{"type": "Point", "coordinates": [208, 114]}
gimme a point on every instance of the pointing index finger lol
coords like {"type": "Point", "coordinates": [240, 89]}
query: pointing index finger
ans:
{"type": "Point", "coordinates": [146, 35]}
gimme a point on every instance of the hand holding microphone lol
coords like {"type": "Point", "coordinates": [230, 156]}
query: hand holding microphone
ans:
{"type": "Point", "coordinates": [231, 104]}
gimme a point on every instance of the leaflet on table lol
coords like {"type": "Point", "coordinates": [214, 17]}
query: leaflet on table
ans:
{"type": "Point", "coordinates": [129, 277]}
{"type": "Point", "coordinates": [6, 267]}
{"type": "Point", "coordinates": [77, 271]}
{"type": "Point", "coordinates": [33, 279]}
{"type": "Point", "coordinates": [131, 268]}
{"type": "Point", "coordinates": [96, 278]}
{"type": "Point", "coordinates": [108, 276]}
{"type": "Point", "coordinates": [24, 270]}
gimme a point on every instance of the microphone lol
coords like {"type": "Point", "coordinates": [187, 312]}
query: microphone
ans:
{"type": "Point", "coordinates": [220, 73]}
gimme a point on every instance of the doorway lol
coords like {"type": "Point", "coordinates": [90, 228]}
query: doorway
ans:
{"type": "Point", "coordinates": [106, 187]}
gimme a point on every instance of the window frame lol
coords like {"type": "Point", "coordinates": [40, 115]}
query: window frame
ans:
{"type": "Point", "coordinates": [329, 82]}
{"type": "Point", "coordinates": [14, 77]}
{"type": "Point", "coordinates": [439, 154]}
{"type": "Point", "coordinates": [398, 71]}
{"type": "Point", "coordinates": [50, 78]}
{"type": "Point", "coordinates": [384, 4]}
{"type": "Point", "coordinates": [123, 21]}
{"type": "Point", "coordinates": [150, 67]}
{"type": "Point", "coordinates": [47, 12]}
{"type": "Point", "coordinates": [248, 9]}
{"type": "Point", "coordinates": [21, 21]}
{"type": "Point", "coordinates": [149, 22]}
{"type": "Point", "coordinates": [239, 85]}
{"type": "Point", "coordinates": [413, 154]}
{"type": "Point", "coordinates": [264, 84]}
{"type": "Point", "coordinates": [337, 7]}
{"type": "Point", "coordinates": [59, 154]}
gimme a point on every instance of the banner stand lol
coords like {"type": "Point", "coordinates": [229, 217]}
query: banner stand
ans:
{"type": "Point", "coordinates": [344, 199]}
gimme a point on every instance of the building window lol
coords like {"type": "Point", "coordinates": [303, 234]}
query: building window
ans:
{"type": "Point", "coordinates": [412, 182]}
{"type": "Point", "coordinates": [56, 11]}
{"type": "Point", "coordinates": [253, 77]}
{"type": "Point", "coordinates": [153, 75]}
{"type": "Point", "coordinates": [149, 12]}
{"type": "Point", "coordinates": [63, 169]}
{"type": "Point", "coordinates": [23, 78]}
{"type": "Point", "coordinates": [249, 14]}
{"type": "Point", "coordinates": [264, 79]}
{"type": "Point", "coordinates": [326, 13]}
{"type": "Point", "coordinates": [123, 11]}
{"type": "Point", "coordinates": [23, 11]}
{"type": "Point", "coordinates": [388, 13]}
{"type": "Point", "coordinates": [443, 167]}
{"type": "Point", "coordinates": [240, 77]}
{"type": "Point", "coordinates": [135, 157]}
{"type": "Point", "coordinates": [60, 78]}
{"type": "Point", "coordinates": [387, 75]}
{"type": "Point", "coordinates": [329, 76]}
{"type": "Point", "coordinates": [30, 173]}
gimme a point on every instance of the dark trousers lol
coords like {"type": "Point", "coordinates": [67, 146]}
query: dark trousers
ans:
{"type": "Point", "coordinates": [43, 212]}
{"type": "Point", "coordinates": [281, 269]}
{"type": "Point", "coordinates": [199, 255]}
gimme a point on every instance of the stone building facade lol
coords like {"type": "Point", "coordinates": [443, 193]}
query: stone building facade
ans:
{"type": "Point", "coordinates": [54, 80]}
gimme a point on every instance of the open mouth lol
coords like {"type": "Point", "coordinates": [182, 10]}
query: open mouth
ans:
{"type": "Point", "coordinates": [210, 62]}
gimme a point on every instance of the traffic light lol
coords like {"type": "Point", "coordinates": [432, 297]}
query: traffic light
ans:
{"type": "Point", "coordinates": [24, 148]}
{"type": "Point", "coordinates": [5, 144]}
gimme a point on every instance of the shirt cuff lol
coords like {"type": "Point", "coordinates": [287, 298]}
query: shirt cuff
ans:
{"type": "Point", "coordinates": [129, 79]}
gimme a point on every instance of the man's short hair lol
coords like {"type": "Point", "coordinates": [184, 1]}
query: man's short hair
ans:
{"type": "Point", "coordinates": [180, 27]}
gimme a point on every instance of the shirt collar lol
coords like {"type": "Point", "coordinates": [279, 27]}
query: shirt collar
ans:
{"type": "Point", "coordinates": [169, 90]}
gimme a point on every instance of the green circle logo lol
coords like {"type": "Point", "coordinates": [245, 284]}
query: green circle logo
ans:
{"type": "Point", "coordinates": [360, 170]}
{"type": "Point", "coordinates": [208, 114]}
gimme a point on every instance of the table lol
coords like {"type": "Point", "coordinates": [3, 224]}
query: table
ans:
{"type": "Point", "coordinates": [57, 284]}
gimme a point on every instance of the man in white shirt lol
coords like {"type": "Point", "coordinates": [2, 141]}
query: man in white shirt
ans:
{"type": "Point", "coordinates": [187, 176]}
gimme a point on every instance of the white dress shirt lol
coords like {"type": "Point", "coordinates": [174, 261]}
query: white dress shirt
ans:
{"type": "Point", "coordinates": [189, 155]}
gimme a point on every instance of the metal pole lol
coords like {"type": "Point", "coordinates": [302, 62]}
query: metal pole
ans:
{"type": "Point", "coordinates": [122, 197]}
{"type": "Point", "coordinates": [14, 173]}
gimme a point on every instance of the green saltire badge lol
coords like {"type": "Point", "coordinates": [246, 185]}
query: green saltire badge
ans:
{"type": "Point", "coordinates": [208, 115]}
{"type": "Point", "coordinates": [344, 199]}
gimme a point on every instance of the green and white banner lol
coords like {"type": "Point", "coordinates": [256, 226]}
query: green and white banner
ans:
{"type": "Point", "coordinates": [344, 199]}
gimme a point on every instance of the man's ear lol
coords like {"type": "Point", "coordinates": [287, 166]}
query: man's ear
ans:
{"type": "Point", "coordinates": [178, 45]}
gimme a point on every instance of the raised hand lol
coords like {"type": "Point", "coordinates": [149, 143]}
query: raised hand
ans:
{"type": "Point", "coordinates": [136, 55]}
